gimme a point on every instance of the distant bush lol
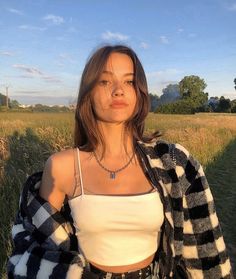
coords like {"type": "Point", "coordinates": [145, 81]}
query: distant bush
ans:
{"type": "Point", "coordinates": [183, 106]}
{"type": "Point", "coordinates": [3, 108]}
{"type": "Point", "coordinates": [44, 108]}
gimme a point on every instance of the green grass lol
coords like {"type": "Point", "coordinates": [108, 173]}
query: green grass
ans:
{"type": "Point", "coordinates": [28, 139]}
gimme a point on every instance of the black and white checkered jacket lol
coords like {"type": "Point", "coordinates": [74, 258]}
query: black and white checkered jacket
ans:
{"type": "Point", "coordinates": [192, 245]}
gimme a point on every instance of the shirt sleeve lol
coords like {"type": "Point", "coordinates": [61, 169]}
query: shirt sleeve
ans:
{"type": "Point", "coordinates": [44, 244]}
{"type": "Point", "coordinates": [204, 250]}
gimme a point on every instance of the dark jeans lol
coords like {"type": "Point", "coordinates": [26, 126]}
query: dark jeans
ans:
{"type": "Point", "coordinates": [154, 274]}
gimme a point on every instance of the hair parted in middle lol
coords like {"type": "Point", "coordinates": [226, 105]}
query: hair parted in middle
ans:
{"type": "Point", "coordinates": [87, 134]}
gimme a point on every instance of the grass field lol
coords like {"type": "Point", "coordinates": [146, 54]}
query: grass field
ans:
{"type": "Point", "coordinates": [28, 139]}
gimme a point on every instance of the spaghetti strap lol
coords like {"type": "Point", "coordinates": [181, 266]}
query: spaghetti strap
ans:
{"type": "Point", "coordinates": [80, 172]}
{"type": "Point", "coordinates": [78, 177]}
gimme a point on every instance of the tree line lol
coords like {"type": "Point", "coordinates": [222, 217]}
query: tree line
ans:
{"type": "Point", "coordinates": [188, 97]}
{"type": "Point", "coordinates": [14, 105]}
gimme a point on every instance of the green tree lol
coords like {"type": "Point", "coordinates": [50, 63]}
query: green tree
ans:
{"type": "Point", "coordinates": [213, 103]}
{"type": "Point", "coordinates": [3, 100]}
{"type": "Point", "coordinates": [14, 104]}
{"type": "Point", "coordinates": [192, 88]}
{"type": "Point", "coordinates": [224, 105]}
{"type": "Point", "coordinates": [183, 106]}
{"type": "Point", "coordinates": [154, 101]}
{"type": "Point", "coordinates": [233, 106]}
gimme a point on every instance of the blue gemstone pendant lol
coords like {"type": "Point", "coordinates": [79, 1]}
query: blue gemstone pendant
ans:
{"type": "Point", "coordinates": [112, 175]}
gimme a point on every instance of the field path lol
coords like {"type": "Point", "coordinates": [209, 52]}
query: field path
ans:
{"type": "Point", "coordinates": [222, 179]}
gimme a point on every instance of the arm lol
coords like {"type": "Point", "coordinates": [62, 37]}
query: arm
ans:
{"type": "Point", "coordinates": [55, 180]}
{"type": "Point", "coordinates": [44, 241]}
{"type": "Point", "coordinates": [204, 250]}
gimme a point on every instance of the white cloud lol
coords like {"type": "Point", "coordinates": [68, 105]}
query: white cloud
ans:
{"type": "Point", "coordinates": [180, 30]}
{"type": "Point", "coordinates": [65, 56]}
{"type": "Point", "coordinates": [114, 36]}
{"type": "Point", "coordinates": [144, 45]}
{"type": "Point", "coordinates": [232, 7]}
{"type": "Point", "coordinates": [6, 53]}
{"type": "Point", "coordinates": [14, 11]}
{"type": "Point", "coordinates": [51, 79]}
{"type": "Point", "coordinates": [230, 95]}
{"type": "Point", "coordinates": [56, 20]}
{"type": "Point", "coordinates": [31, 28]}
{"type": "Point", "coordinates": [30, 70]}
{"type": "Point", "coordinates": [164, 40]}
{"type": "Point", "coordinates": [33, 72]}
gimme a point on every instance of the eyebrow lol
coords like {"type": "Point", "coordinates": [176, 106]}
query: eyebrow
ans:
{"type": "Point", "coordinates": [111, 73]}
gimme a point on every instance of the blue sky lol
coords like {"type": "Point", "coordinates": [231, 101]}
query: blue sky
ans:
{"type": "Point", "coordinates": [45, 43]}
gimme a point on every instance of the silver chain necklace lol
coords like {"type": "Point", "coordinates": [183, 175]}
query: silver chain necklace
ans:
{"type": "Point", "coordinates": [113, 172]}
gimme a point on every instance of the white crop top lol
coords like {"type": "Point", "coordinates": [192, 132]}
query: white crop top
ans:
{"type": "Point", "coordinates": [117, 230]}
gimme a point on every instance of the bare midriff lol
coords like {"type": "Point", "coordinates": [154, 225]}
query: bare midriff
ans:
{"type": "Point", "coordinates": [125, 268]}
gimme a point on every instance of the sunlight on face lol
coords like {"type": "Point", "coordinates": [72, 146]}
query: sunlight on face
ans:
{"type": "Point", "coordinates": [114, 95]}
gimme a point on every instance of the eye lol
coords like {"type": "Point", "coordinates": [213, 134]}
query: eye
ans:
{"type": "Point", "coordinates": [130, 82]}
{"type": "Point", "coordinates": [104, 82]}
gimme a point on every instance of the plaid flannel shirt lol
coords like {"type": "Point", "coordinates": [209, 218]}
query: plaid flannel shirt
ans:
{"type": "Point", "coordinates": [192, 245]}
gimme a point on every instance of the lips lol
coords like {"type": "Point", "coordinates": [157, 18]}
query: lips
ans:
{"type": "Point", "coordinates": [118, 104]}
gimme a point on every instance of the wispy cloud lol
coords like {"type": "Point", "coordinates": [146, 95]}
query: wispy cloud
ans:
{"type": "Point", "coordinates": [65, 56]}
{"type": "Point", "coordinates": [167, 73]}
{"type": "Point", "coordinates": [30, 70]}
{"type": "Point", "coordinates": [230, 95]}
{"type": "Point", "coordinates": [15, 11]}
{"type": "Point", "coordinates": [180, 30]}
{"type": "Point", "coordinates": [56, 20]}
{"type": "Point", "coordinates": [164, 40]}
{"type": "Point", "coordinates": [32, 28]}
{"type": "Point", "coordinates": [30, 92]}
{"type": "Point", "coordinates": [114, 36]}
{"type": "Point", "coordinates": [33, 72]}
{"type": "Point", "coordinates": [232, 7]}
{"type": "Point", "coordinates": [144, 45]}
{"type": "Point", "coordinates": [51, 79]}
{"type": "Point", "coordinates": [6, 53]}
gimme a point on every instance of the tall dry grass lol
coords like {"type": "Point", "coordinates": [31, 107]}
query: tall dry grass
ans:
{"type": "Point", "coordinates": [205, 135]}
{"type": "Point", "coordinates": [28, 139]}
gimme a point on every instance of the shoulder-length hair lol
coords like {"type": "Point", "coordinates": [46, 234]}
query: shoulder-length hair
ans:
{"type": "Point", "coordinates": [87, 135]}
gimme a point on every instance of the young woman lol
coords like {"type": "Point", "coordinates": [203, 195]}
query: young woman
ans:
{"type": "Point", "coordinates": [119, 204]}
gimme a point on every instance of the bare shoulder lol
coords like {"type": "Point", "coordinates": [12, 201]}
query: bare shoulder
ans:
{"type": "Point", "coordinates": [58, 177]}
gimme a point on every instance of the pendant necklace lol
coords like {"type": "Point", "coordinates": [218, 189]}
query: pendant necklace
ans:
{"type": "Point", "coordinates": [112, 173]}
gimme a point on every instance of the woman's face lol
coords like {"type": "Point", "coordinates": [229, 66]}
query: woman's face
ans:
{"type": "Point", "coordinates": [114, 95]}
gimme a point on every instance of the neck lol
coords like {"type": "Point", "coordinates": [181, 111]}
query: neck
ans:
{"type": "Point", "coordinates": [117, 143]}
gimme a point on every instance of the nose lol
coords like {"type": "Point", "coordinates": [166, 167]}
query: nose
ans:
{"type": "Point", "coordinates": [117, 89]}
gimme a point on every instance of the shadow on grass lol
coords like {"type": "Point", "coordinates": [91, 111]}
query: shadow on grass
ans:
{"type": "Point", "coordinates": [27, 155]}
{"type": "Point", "coordinates": [221, 176]}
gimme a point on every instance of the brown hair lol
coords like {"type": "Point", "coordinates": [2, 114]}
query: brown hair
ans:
{"type": "Point", "coordinates": [87, 134]}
